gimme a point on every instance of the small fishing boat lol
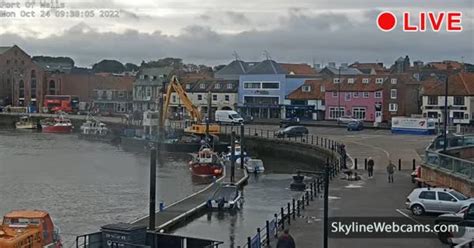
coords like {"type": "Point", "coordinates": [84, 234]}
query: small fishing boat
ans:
{"type": "Point", "coordinates": [25, 122]}
{"type": "Point", "coordinates": [29, 228]}
{"type": "Point", "coordinates": [59, 124]}
{"type": "Point", "coordinates": [226, 197]}
{"type": "Point", "coordinates": [93, 127]}
{"type": "Point", "coordinates": [254, 166]}
{"type": "Point", "coordinates": [206, 163]}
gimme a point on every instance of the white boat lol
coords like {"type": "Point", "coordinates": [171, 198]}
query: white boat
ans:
{"type": "Point", "coordinates": [93, 127]}
{"type": "Point", "coordinates": [254, 166]}
{"type": "Point", "coordinates": [237, 152]}
{"type": "Point", "coordinates": [226, 197]}
{"type": "Point", "coordinates": [25, 122]}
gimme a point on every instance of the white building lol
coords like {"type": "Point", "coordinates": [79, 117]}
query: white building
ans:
{"type": "Point", "coordinates": [460, 98]}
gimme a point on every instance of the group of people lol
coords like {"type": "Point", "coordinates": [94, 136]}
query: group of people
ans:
{"type": "Point", "coordinates": [390, 169]}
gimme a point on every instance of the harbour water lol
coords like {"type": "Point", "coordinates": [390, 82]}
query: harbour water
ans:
{"type": "Point", "coordinates": [85, 185]}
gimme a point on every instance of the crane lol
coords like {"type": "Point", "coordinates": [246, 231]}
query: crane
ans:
{"type": "Point", "coordinates": [197, 127]}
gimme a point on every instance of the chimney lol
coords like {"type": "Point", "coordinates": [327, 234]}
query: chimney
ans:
{"type": "Point", "coordinates": [332, 64]}
{"type": "Point", "coordinates": [344, 65]}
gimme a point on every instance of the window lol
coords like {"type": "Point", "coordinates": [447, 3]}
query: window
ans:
{"type": "Point", "coordinates": [306, 88]}
{"type": "Point", "coordinates": [271, 85]}
{"type": "Point", "coordinates": [251, 85]}
{"type": "Point", "coordinates": [121, 94]}
{"type": "Point", "coordinates": [428, 195]}
{"type": "Point", "coordinates": [347, 96]}
{"type": "Point", "coordinates": [458, 100]}
{"type": "Point", "coordinates": [214, 97]}
{"type": "Point", "coordinates": [173, 99]}
{"type": "Point", "coordinates": [366, 95]}
{"type": "Point", "coordinates": [432, 100]}
{"type": "Point", "coordinates": [8, 61]}
{"type": "Point", "coordinates": [199, 97]}
{"type": "Point", "coordinates": [202, 86]}
{"type": "Point", "coordinates": [334, 94]}
{"type": "Point", "coordinates": [378, 94]}
{"type": "Point", "coordinates": [365, 80]}
{"type": "Point", "coordinates": [148, 91]}
{"type": "Point", "coordinates": [442, 196]}
{"type": "Point", "coordinates": [358, 113]}
{"type": "Point", "coordinates": [355, 95]}
{"type": "Point", "coordinates": [217, 86]}
{"type": "Point", "coordinates": [393, 81]}
{"type": "Point", "coordinates": [229, 86]}
{"type": "Point", "coordinates": [393, 94]}
{"type": "Point", "coordinates": [336, 80]}
{"type": "Point", "coordinates": [322, 88]}
{"type": "Point", "coordinates": [350, 81]}
{"type": "Point", "coordinates": [458, 115]}
{"type": "Point", "coordinates": [334, 114]}
{"type": "Point", "coordinates": [154, 78]}
{"type": "Point", "coordinates": [188, 86]}
{"type": "Point", "coordinates": [379, 80]}
{"type": "Point", "coordinates": [433, 115]}
{"type": "Point", "coordinates": [227, 98]}
{"type": "Point", "coordinates": [393, 107]}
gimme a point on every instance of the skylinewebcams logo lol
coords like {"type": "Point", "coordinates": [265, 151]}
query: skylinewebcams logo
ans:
{"type": "Point", "coordinates": [421, 21]}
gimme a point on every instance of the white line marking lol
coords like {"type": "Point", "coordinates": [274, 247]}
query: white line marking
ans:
{"type": "Point", "coordinates": [411, 218]}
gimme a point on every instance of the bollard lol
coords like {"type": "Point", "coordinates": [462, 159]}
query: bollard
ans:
{"type": "Point", "coordinates": [282, 219]}
{"type": "Point", "coordinates": [249, 242]}
{"type": "Point", "coordinates": [399, 164]}
{"type": "Point", "coordinates": [302, 202]}
{"type": "Point", "coordinates": [355, 164]}
{"type": "Point", "coordinates": [311, 139]}
{"type": "Point", "coordinates": [276, 225]}
{"type": "Point", "coordinates": [414, 164]}
{"type": "Point", "coordinates": [259, 239]}
{"type": "Point", "coordinates": [294, 210]}
{"type": "Point", "coordinates": [289, 214]}
{"type": "Point", "coordinates": [267, 229]}
{"type": "Point", "coordinates": [365, 164]}
{"type": "Point", "coordinates": [325, 142]}
{"type": "Point", "coordinates": [311, 188]}
{"type": "Point", "coordinates": [298, 207]}
{"type": "Point", "coordinates": [317, 140]}
{"type": "Point", "coordinates": [319, 185]}
{"type": "Point", "coordinates": [307, 198]}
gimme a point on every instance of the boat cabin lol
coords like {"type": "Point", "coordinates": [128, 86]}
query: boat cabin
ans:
{"type": "Point", "coordinates": [207, 156]}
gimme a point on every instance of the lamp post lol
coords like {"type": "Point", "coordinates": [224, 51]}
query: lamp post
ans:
{"type": "Point", "coordinates": [446, 112]}
{"type": "Point", "coordinates": [339, 95]}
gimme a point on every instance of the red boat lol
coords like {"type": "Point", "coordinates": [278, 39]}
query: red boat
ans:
{"type": "Point", "coordinates": [206, 164]}
{"type": "Point", "coordinates": [56, 125]}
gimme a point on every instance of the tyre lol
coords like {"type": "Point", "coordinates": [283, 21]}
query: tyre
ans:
{"type": "Point", "coordinates": [417, 210]}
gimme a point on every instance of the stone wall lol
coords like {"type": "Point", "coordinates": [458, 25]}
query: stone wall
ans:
{"type": "Point", "coordinates": [447, 179]}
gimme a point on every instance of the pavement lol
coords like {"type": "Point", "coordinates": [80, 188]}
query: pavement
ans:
{"type": "Point", "coordinates": [369, 197]}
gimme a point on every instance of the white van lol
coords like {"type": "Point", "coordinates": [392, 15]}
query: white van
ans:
{"type": "Point", "coordinates": [228, 116]}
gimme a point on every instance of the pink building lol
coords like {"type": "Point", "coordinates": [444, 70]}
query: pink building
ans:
{"type": "Point", "coordinates": [360, 97]}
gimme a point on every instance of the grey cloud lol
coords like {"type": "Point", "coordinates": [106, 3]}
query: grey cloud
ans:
{"type": "Point", "coordinates": [237, 18]}
{"type": "Point", "coordinates": [300, 37]}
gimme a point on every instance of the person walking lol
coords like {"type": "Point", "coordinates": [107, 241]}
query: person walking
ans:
{"type": "Point", "coordinates": [390, 171]}
{"type": "Point", "coordinates": [285, 240]}
{"type": "Point", "coordinates": [370, 167]}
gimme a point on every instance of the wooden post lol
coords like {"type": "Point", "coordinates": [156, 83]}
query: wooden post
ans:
{"type": "Point", "coordinates": [399, 164]}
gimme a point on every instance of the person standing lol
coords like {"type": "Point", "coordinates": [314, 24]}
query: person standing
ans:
{"type": "Point", "coordinates": [370, 167]}
{"type": "Point", "coordinates": [390, 171]}
{"type": "Point", "coordinates": [285, 240]}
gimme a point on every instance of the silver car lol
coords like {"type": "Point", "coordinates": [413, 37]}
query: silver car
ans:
{"type": "Point", "coordinates": [436, 200]}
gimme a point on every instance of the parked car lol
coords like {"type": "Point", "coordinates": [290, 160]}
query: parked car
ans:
{"type": "Point", "coordinates": [355, 126]}
{"type": "Point", "coordinates": [292, 131]}
{"type": "Point", "coordinates": [247, 118]}
{"type": "Point", "coordinates": [436, 200]}
{"type": "Point", "coordinates": [447, 219]}
{"type": "Point", "coordinates": [345, 119]}
{"type": "Point", "coordinates": [465, 234]}
{"type": "Point", "coordinates": [292, 121]}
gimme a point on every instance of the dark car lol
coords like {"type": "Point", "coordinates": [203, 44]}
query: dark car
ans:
{"type": "Point", "coordinates": [292, 121]}
{"type": "Point", "coordinates": [247, 118]}
{"type": "Point", "coordinates": [355, 126]}
{"type": "Point", "coordinates": [292, 131]}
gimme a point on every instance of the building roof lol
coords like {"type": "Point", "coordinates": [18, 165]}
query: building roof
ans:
{"type": "Point", "coordinates": [267, 67]}
{"type": "Point", "coordinates": [344, 71]}
{"type": "Point", "coordinates": [3, 49]}
{"type": "Point", "coordinates": [236, 67]}
{"type": "Point", "coordinates": [210, 85]}
{"type": "Point", "coordinates": [154, 75]}
{"type": "Point", "coordinates": [358, 84]}
{"type": "Point", "coordinates": [454, 65]}
{"type": "Point", "coordinates": [298, 69]}
{"type": "Point", "coordinates": [459, 84]}
{"type": "Point", "coordinates": [27, 214]}
{"type": "Point", "coordinates": [314, 93]}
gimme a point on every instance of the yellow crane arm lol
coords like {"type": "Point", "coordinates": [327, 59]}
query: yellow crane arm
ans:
{"type": "Point", "coordinates": [175, 86]}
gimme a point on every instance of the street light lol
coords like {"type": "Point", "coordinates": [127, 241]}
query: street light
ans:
{"type": "Point", "coordinates": [339, 95]}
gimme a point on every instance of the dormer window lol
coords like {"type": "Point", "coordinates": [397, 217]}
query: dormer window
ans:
{"type": "Point", "coordinates": [393, 81]}
{"type": "Point", "coordinates": [145, 77]}
{"type": "Point", "coordinates": [229, 86]}
{"type": "Point", "coordinates": [306, 88]}
{"type": "Point", "coordinates": [350, 80]}
{"type": "Point", "coordinates": [188, 86]}
{"type": "Point", "coordinates": [154, 78]}
{"type": "Point", "coordinates": [217, 86]}
{"type": "Point", "coordinates": [336, 80]}
{"type": "Point", "coordinates": [365, 80]}
{"type": "Point", "coordinates": [379, 80]}
{"type": "Point", "coordinates": [202, 86]}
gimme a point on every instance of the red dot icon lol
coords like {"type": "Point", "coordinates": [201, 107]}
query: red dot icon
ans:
{"type": "Point", "coordinates": [386, 21]}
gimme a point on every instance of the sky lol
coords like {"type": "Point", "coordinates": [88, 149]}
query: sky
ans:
{"type": "Point", "coordinates": [211, 31]}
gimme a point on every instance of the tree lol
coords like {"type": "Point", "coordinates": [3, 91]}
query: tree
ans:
{"type": "Point", "coordinates": [109, 66]}
{"type": "Point", "coordinates": [131, 67]}
{"type": "Point", "coordinates": [48, 59]}
{"type": "Point", "coordinates": [218, 67]}
{"type": "Point", "coordinates": [176, 63]}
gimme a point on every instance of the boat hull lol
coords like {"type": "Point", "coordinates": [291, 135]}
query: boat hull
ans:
{"type": "Point", "coordinates": [25, 126]}
{"type": "Point", "coordinates": [206, 170]}
{"type": "Point", "coordinates": [56, 129]}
